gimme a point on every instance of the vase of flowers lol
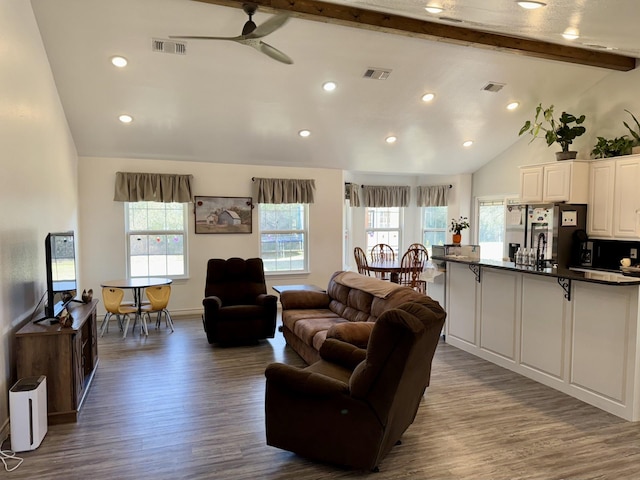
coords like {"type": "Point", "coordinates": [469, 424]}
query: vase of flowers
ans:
{"type": "Point", "coordinates": [457, 226]}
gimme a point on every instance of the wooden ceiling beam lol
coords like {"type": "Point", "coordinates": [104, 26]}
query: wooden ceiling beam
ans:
{"type": "Point", "coordinates": [396, 24]}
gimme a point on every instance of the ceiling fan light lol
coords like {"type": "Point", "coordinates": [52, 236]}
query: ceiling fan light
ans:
{"type": "Point", "coordinates": [304, 133]}
{"type": "Point", "coordinates": [329, 86]}
{"type": "Point", "coordinates": [124, 118]}
{"type": "Point", "coordinates": [531, 5]}
{"type": "Point", "coordinates": [427, 97]}
{"type": "Point", "coordinates": [434, 8]}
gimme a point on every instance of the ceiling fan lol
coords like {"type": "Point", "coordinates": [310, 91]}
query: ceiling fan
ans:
{"type": "Point", "coordinates": [251, 34]}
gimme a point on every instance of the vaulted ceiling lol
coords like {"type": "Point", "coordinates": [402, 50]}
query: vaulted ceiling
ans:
{"type": "Point", "coordinates": [224, 102]}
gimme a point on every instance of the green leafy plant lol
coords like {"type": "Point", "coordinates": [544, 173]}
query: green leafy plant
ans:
{"type": "Point", "coordinates": [458, 225]}
{"type": "Point", "coordinates": [612, 147]}
{"type": "Point", "coordinates": [559, 131]}
{"type": "Point", "coordinates": [634, 134]}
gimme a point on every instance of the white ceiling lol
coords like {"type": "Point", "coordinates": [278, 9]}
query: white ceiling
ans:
{"type": "Point", "coordinates": [224, 102]}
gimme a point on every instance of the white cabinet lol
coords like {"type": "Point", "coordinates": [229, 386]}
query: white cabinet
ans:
{"type": "Point", "coordinates": [626, 203]}
{"type": "Point", "coordinates": [614, 198]}
{"type": "Point", "coordinates": [461, 300]}
{"type": "Point", "coordinates": [566, 181]}
{"type": "Point", "coordinates": [601, 187]}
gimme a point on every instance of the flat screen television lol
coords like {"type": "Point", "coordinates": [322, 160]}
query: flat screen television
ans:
{"type": "Point", "coordinates": [60, 253]}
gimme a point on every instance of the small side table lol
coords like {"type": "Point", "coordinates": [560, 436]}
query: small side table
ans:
{"type": "Point", "coordinates": [285, 288]}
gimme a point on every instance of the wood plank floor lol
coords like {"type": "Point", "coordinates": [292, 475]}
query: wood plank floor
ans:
{"type": "Point", "coordinates": [171, 406]}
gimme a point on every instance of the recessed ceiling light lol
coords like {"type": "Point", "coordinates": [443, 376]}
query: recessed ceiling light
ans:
{"type": "Point", "coordinates": [571, 34]}
{"type": "Point", "coordinates": [125, 118]}
{"type": "Point", "coordinates": [513, 106]}
{"type": "Point", "coordinates": [391, 139]}
{"type": "Point", "coordinates": [304, 133]}
{"type": "Point", "coordinates": [433, 8]}
{"type": "Point", "coordinates": [468, 143]}
{"type": "Point", "coordinates": [427, 97]}
{"type": "Point", "coordinates": [119, 61]}
{"type": "Point", "coordinates": [329, 86]}
{"type": "Point", "coordinates": [532, 5]}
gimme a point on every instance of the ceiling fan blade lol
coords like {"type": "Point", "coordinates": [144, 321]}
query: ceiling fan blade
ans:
{"type": "Point", "coordinates": [270, 26]}
{"type": "Point", "coordinates": [196, 37]}
{"type": "Point", "coordinates": [273, 53]}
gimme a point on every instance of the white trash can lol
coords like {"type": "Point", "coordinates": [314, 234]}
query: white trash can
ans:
{"type": "Point", "coordinates": [28, 413]}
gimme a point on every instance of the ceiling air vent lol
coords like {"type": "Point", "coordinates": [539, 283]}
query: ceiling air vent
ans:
{"type": "Point", "coordinates": [377, 73]}
{"type": "Point", "coordinates": [169, 46]}
{"type": "Point", "coordinates": [493, 87]}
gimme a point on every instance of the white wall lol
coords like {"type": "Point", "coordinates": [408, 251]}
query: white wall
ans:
{"type": "Point", "coordinates": [603, 106]}
{"type": "Point", "coordinates": [38, 184]}
{"type": "Point", "coordinates": [102, 223]}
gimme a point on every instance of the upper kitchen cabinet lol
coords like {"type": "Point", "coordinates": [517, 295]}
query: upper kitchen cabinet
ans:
{"type": "Point", "coordinates": [565, 181]}
{"type": "Point", "coordinates": [614, 198]}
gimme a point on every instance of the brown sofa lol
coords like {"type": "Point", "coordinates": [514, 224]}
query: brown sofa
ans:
{"type": "Point", "coordinates": [308, 317]}
{"type": "Point", "coordinates": [353, 405]}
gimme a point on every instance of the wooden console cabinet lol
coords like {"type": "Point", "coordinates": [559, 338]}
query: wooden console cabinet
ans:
{"type": "Point", "coordinates": [68, 356]}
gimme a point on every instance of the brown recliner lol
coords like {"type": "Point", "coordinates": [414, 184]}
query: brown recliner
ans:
{"type": "Point", "coordinates": [237, 308]}
{"type": "Point", "coordinates": [353, 405]}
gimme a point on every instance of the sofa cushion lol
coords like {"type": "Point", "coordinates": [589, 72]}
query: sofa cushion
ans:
{"type": "Point", "coordinates": [290, 317]}
{"type": "Point", "coordinates": [355, 333]}
{"type": "Point", "coordinates": [307, 328]}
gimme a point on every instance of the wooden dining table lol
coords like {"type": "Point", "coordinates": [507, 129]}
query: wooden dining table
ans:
{"type": "Point", "coordinates": [392, 267]}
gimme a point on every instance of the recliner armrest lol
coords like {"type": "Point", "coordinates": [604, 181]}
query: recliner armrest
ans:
{"type": "Point", "coordinates": [267, 300]}
{"type": "Point", "coordinates": [212, 302]}
{"type": "Point", "coordinates": [303, 299]}
{"type": "Point", "coordinates": [342, 353]}
{"type": "Point", "coordinates": [304, 382]}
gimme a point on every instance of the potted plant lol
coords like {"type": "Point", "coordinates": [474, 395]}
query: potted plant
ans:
{"type": "Point", "coordinates": [636, 135]}
{"type": "Point", "coordinates": [615, 147]}
{"type": "Point", "coordinates": [457, 226]}
{"type": "Point", "coordinates": [561, 131]}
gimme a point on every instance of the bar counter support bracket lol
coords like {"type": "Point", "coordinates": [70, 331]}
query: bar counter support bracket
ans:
{"type": "Point", "coordinates": [565, 283]}
{"type": "Point", "coordinates": [476, 271]}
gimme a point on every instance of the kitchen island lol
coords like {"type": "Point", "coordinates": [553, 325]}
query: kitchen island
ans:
{"type": "Point", "coordinates": [573, 330]}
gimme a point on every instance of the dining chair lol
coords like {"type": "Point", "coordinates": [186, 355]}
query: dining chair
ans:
{"type": "Point", "coordinates": [361, 261]}
{"type": "Point", "coordinates": [158, 301]}
{"type": "Point", "coordinates": [411, 267]}
{"type": "Point", "coordinates": [382, 252]}
{"type": "Point", "coordinates": [112, 298]}
{"type": "Point", "coordinates": [419, 246]}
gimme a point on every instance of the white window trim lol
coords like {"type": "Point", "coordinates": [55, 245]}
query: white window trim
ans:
{"type": "Point", "coordinates": [184, 233]}
{"type": "Point", "coordinates": [400, 228]}
{"type": "Point", "coordinates": [423, 228]}
{"type": "Point", "coordinates": [307, 236]}
{"type": "Point", "coordinates": [505, 199]}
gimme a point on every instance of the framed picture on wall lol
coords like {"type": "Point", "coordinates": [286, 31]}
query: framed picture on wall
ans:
{"type": "Point", "coordinates": [223, 214]}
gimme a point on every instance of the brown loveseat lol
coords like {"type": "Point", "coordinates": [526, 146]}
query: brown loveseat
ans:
{"type": "Point", "coordinates": [353, 405]}
{"type": "Point", "coordinates": [308, 317]}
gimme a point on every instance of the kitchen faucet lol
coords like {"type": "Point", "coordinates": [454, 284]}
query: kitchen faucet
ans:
{"type": "Point", "coordinates": [540, 253]}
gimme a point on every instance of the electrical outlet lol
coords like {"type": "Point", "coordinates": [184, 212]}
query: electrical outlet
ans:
{"type": "Point", "coordinates": [633, 253]}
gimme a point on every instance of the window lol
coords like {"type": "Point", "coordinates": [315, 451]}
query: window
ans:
{"type": "Point", "coordinates": [491, 228]}
{"type": "Point", "coordinates": [156, 234]}
{"type": "Point", "coordinates": [383, 226]}
{"type": "Point", "coordinates": [434, 226]}
{"type": "Point", "coordinates": [283, 237]}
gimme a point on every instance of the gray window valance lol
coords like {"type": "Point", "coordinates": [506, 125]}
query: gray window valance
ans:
{"type": "Point", "coordinates": [284, 190]}
{"type": "Point", "coordinates": [353, 190]}
{"type": "Point", "coordinates": [391, 196]}
{"type": "Point", "coordinates": [152, 187]}
{"type": "Point", "coordinates": [434, 196]}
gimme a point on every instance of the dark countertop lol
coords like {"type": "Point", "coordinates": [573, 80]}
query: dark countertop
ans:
{"type": "Point", "coordinates": [582, 275]}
